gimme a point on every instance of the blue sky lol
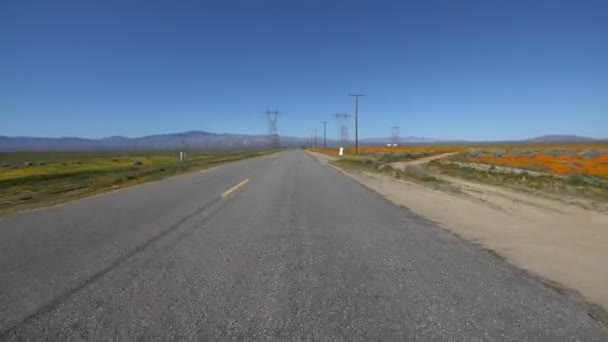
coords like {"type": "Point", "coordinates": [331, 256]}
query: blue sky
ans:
{"type": "Point", "coordinates": [487, 69]}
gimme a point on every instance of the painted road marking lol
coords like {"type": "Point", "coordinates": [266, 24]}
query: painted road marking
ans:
{"type": "Point", "coordinates": [234, 188]}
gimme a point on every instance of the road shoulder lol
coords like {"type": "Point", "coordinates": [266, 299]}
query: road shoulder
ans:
{"type": "Point", "coordinates": [562, 245]}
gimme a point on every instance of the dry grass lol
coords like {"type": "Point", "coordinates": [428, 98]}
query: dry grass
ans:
{"type": "Point", "coordinates": [578, 170]}
{"type": "Point", "coordinates": [547, 185]}
{"type": "Point", "coordinates": [592, 162]}
{"type": "Point", "coordinates": [30, 180]}
{"type": "Point", "coordinates": [589, 159]}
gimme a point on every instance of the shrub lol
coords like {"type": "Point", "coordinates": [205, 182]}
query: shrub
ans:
{"type": "Point", "coordinates": [385, 168]}
{"type": "Point", "coordinates": [417, 172]}
{"type": "Point", "coordinates": [138, 162]}
{"type": "Point", "coordinates": [6, 165]}
{"type": "Point", "coordinates": [557, 152]}
{"type": "Point", "coordinates": [366, 161]}
{"type": "Point", "coordinates": [576, 179]}
{"type": "Point", "coordinates": [498, 152]}
{"type": "Point", "coordinates": [421, 153]}
{"type": "Point", "coordinates": [403, 154]}
{"type": "Point", "coordinates": [589, 153]}
{"type": "Point", "coordinates": [375, 163]}
{"type": "Point", "coordinates": [386, 157]}
{"type": "Point", "coordinates": [515, 151]}
{"type": "Point", "coordinates": [473, 152]}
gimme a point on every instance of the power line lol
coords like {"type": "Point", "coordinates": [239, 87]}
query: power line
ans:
{"type": "Point", "coordinates": [395, 135]}
{"type": "Point", "coordinates": [324, 134]}
{"type": "Point", "coordinates": [356, 120]}
{"type": "Point", "coordinates": [342, 119]}
{"type": "Point", "coordinates": [273, 132]}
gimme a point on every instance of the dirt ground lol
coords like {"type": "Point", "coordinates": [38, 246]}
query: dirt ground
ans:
{"type": "Point", "coordinates": [420, 161]}
{"type": "Point", "coordinates": [560, 242]}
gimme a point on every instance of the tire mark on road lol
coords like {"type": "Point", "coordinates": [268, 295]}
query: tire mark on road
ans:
{"type": "Point", "coordinates": [48, 307]}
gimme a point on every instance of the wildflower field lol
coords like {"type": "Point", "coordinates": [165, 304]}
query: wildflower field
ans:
{"type": "Point", "coordinates": [592, 162]}
{"type": "Point", "coordinates": [559, 159]}
{"type": "Point", "coordinates": [568, 169]}
{"type": "Point", "coordinates": [34, 179]}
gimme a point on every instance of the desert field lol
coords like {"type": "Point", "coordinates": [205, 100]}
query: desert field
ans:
{"type": "Point", "coordinates": [35, 179]}
{"type": "Point", "coordinates": [558, 170]}
{"type": "Point", "coordinates": [543, 208]}
{"type": "Point", "coordinates": [565, 158]}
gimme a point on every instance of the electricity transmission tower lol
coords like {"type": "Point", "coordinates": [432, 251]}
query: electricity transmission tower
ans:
{"type": "Point", "coordinates": [273, 132]}
{"type": "Point", "coordinates": [324, 134]}
{"type": "Point", "coordinates": [342, 119]}
{"type": "Point", "coordinates": [395, 135]}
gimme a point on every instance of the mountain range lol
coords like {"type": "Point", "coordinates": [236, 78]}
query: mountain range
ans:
{"type": "Point", "coordinates": [207, 140]}
{"type": "Point", "coordinates": [184, 140]}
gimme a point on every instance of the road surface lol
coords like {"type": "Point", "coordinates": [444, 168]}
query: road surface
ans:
{"type": "Point", "coordinates": [291, 250]}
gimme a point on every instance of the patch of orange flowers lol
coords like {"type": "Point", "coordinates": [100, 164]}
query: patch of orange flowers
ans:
{"type": "Point", "coordinates": [432, 149]}
{"type": "Point", "coordinates": [564, 163]}
{"type": "Point", "coordinates": [541, 157]}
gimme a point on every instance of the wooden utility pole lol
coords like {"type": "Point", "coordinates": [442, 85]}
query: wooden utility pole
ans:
{"type": "Point", "coordinates": [356, 120]}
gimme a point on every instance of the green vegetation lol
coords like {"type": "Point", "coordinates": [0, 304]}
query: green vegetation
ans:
{"type": "Point", "coordinates": [430, 174]}
{"type": "Point", "coordinates": [379, 162]}
{"type": "Point", "coordinates": [575, 185]}
{"type": "Point", "coordinates": [36, 179]}
{"type": "Point", "coordinates": [413, 173]}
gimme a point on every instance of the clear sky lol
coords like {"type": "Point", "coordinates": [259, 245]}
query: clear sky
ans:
{"type": "Point", "coordinates": [487, 69]}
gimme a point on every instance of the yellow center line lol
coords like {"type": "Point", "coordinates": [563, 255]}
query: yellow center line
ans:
{"type": "Point", "coordinates": [234, 188]}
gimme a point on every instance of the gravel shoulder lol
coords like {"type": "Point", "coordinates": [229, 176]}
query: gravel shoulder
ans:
{"type": "Point", "coordinates": [562, 243]}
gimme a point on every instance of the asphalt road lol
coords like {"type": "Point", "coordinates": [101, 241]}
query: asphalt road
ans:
{"type": "Point", "coordinates": [297, 252]}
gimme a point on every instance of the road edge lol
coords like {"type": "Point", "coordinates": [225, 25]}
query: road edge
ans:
{"type": "Point", "coordinates": [594, 310]}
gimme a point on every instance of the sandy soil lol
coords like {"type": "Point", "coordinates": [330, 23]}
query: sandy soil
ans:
{"type": "Point", "coordinates": [402, 164]}
{"type": "Point", "coordinates": [561, 242]}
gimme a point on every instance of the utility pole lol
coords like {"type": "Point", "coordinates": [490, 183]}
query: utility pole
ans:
{"type": "Point", "coordinates": [356, 120]}
{"type": "Point", "coordinates": [311, 141]}
{"type": "Point", "coordinates": [315, 137]}
{"type": "Point", "coordinates": [324, 134]}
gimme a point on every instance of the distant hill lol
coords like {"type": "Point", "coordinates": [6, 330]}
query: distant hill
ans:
{"type": "Point", "coordinates": [402, 140]}
{"type": "Point", "coordinates": [185, 140]}
{"type": "Point", "coordinates": [554, 138]}
{"type": "Point", "coordinates": [412, 141]}
{"type": "Point", "coordinates": [207, 140]}
{"type": "Point", "coordinates": [560, 138]}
